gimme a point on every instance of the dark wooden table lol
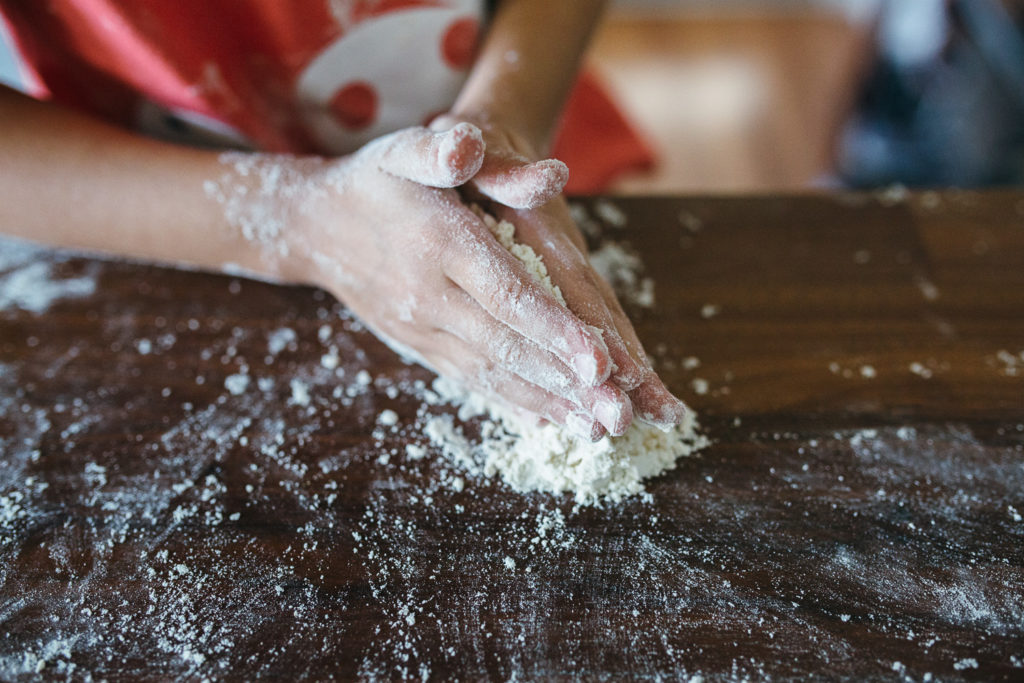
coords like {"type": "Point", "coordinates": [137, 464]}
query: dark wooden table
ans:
{"type": "Point", "coordinates": [859, 514]}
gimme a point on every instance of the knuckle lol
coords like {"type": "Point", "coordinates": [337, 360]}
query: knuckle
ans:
{"type": "Point", "coordinates": [496, 289]}
{"type": "Point", "coordinates": [512, 293]}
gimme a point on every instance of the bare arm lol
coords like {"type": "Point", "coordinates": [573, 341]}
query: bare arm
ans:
{"type": "Point", "coordinates": [527, 65]}
{"type": "Point", "coordinates": [67, 179]}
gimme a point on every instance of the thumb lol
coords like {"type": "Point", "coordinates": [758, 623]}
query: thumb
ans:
{"type": "Point", "coordinates": [445, 159]}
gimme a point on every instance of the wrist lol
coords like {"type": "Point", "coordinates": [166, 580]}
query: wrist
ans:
{"type": "Point", "coordinates": [262, 198]}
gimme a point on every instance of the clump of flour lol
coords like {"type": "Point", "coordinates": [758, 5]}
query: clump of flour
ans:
{"type": "Point", "coordinates": [549, 458]}
{"type": "Point", "coordinates": [620, 266]}
{"type": "Point", "coordinates": [30, 277]}
{"type": "Point", "coordinates": [505, 233]}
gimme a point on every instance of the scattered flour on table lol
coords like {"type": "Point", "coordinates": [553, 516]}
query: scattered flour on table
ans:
{"type": "Point", "coordinates": [920, 370]}
{"type": "Point", "coordinates": [279, 339]}
{"type": "Point", "coordinates": [1012, 364]}
{"type": "Point", "coordinates": [708, 311]}
{"type": "Point", "coordinates": [236, 384]}
{"type": "Point", "coordinates": [620, 266]}
{"type": "Point", "coordinates": [300, 392]}
{"type": "Point", "coordinates": [966, 663]}
{"type": "Point", "coordinates": [330, 360]}
{"type": "Point", "coordinates": [893, 195]}
{"type": "Point", "coordinates": [548, 458]}
{"type": "Point", "coordinates": [176, 526]}
{"type": "Point", "coordinates": [928, 288]}
{"type": "Point", "coordinates": [30, 277]}
{"type": "Point", "coordinates": [690, 221]}
{"type": "Point", "coordinates": [610, 213]}
{"type": "Point", "coordinates": [615, 261]}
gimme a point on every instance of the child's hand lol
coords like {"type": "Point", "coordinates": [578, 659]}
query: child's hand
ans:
{"type": "Point", "coordinates": [530, 191]}
{"type": "Point", "coordinates": [420, 268]}
{"type": "Point", "coordinates": [552, 233]}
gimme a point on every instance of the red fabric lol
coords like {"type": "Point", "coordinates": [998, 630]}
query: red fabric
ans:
{"type": "Point", "coordinates": [596, 141]}
{"type": "Point", "coordinates": [233, 61]}
{"type": "Point", "coordinates": [237, 62]}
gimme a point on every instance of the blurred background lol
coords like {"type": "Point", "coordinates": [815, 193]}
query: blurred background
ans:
{"type": "Point", "coordinates": [756, 95]}
{"type": "Point", "coordinates": [768, 95]}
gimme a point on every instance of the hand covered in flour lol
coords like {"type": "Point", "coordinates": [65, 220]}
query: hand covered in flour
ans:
{"type": "Point", "coordinates": [552, 233]}
{"type": "Point", "coordinates": [527, 193]}
{"type": "Point", "coordinates": [383, 231]}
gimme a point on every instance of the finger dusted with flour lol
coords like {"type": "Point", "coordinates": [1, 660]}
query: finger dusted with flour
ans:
{"type": "Point", "coordinates": [499, 387]}
{"type": "Point", "coordinates": [447, 158]}
{"type": "Point", "coordinates": [538, 366]}
{"type": "Point", "coordinates": [551, 230]}
{"type": "Point", "coordinates": [502, 284]}
{"type": "Point", "coordinates": [511, 173]}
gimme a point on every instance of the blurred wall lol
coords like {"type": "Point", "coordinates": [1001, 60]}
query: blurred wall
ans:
{"type": "Point", "coordinates": [857, 10]}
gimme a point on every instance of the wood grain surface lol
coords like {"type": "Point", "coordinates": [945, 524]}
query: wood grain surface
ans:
{"type": "Point", "coordinates": [859, 514]}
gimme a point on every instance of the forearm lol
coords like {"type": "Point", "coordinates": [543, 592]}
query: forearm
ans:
{"type": "Point", "coordinates": [68, 180]}
{"type": "Point", "coordinates": [527, 65]}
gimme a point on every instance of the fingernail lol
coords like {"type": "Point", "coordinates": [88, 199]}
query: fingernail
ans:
{"type": "Point", "coordinates": [609, 414]}
{"type": "Point", "coordinates": [452, 154]}
{"type": "Point", "coordinates": [586, 368]}
{"type": "Point", "coordinates": [671, 413]}
{"type": "Point", "coordinates": [681, 408]}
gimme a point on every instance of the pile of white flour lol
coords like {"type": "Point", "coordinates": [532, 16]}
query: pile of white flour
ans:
{"type": "Point", "coordinates": [549, 458]}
